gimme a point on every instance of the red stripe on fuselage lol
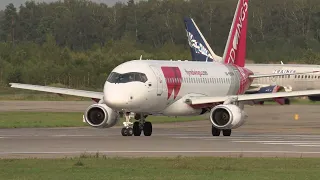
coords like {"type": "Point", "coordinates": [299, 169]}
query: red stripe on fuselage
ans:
{"type": "Point", "coordinates": [173, 80]}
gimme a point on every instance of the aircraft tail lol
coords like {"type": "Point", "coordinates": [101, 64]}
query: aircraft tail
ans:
{"type": "Point", "coordinates": [199, 47]}
{"type": "Point", "coordinates": [235, 50]}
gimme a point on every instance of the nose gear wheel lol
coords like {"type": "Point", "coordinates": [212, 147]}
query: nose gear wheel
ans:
{"type": "Point", "coordinates": [137, 127]}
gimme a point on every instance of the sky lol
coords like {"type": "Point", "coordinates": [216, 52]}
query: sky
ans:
{"type": "Point", "coordinates": [17, 3]}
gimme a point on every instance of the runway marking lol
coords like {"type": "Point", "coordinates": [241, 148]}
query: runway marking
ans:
{"type": "Point", "coordinates": [293, 143]}
{"type": "Point", "coordinates": [66, 135]}
{"type": "Point", "coordinates": [308, 145]}
{"type": "Point", "coordinates": [74, 152]}
{"type": "Point", "coordinates": [274, 141]}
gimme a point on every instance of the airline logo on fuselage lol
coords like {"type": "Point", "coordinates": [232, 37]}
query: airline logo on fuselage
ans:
{"type": "Point", "coordinates": [284, 71]}
{"type": "Point", "coordinates": [173, 80]}
{"type": "Point", "coordinates": [198, 47]}
{"type": "Point", "coordinates": [192, 72]}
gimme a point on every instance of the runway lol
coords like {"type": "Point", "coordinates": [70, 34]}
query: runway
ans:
{"type": "Point", "coordinates": [270, 131]}
{"type": "Point", "coordinates": [63, 142]}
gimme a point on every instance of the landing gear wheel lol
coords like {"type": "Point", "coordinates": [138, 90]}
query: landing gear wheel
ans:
{"type": "Point", "coordinates": [287, 101]}
{"type": "Point", "coordinates": [124, 132]}
{"type": "Point", "coordinates": [226, 132]}
{"type": "Point", "coordinates": [147, 128]}
{"type": "Point", "coordinates": [129, 131]}
{"type": "Point", "coordinates": [136, 129]}
{"type": "Point", "coordinates": [215, 131]}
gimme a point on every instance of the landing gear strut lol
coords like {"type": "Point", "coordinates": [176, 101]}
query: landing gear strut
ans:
{"type": "Point", "coordinates": [127, 130]}
{"type": "Point", "coordinates": [137, 127]}
{"type": "Point", "coordinates": [216, 131]}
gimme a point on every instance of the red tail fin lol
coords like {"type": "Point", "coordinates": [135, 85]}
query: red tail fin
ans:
{"type": "Point", "coordinates": [235, 50]}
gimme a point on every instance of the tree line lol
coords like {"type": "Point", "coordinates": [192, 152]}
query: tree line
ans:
{"type": "Point", "coordinates": [78, 42]}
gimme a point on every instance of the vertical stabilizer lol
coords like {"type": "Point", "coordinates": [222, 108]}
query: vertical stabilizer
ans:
{"type": "Point", "coordinates": [235, 50]}
{"type": "Point", "coordinates": [200, 49]}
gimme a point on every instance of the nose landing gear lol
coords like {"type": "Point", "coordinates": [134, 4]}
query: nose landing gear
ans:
{"type": "Point", "coordinates": [137, 127]}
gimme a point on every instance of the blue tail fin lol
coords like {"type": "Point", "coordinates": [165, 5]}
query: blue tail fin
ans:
{"type": "Point", "coordinates": [199, 47]}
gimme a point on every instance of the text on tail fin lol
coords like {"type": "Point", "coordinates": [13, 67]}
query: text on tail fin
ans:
{"type": "Point", "coordinates": [200, 49]}
{"type": "Point", "coordinates": [235, 50]}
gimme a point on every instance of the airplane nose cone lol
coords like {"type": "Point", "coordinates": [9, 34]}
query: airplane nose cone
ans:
{"type": "Point", "coordinates": [122, 97]}
{"type": "Point", "coordinates": [116, 100]}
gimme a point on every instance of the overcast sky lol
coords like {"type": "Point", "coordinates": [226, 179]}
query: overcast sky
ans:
{"type": "Point", "coordinates": [4, 3]}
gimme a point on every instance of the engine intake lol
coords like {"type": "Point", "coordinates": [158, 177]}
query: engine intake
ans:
{"type": "Point", "coordinates": [101, 116]}
{"type": "Point", "coordinates": [227, 116]}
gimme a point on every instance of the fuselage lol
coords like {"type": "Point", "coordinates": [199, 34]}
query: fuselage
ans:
{"type": "Point", "coordinates": [290, 82]}
{"type": "Point", "coordinates": [161, 86]}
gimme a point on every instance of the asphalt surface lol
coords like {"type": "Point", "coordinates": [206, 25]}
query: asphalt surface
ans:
{"type": "Point", "coordinates": [270, 131]}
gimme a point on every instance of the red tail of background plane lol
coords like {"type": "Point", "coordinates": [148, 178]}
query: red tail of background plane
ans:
{"type": "Point", "coordinates": [235, 50]}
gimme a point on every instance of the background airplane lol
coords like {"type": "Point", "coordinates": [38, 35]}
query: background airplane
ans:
{"type": "Point", "coordinates": [178, 88]}
{"type": "Point", "coordinates": [201, 51]}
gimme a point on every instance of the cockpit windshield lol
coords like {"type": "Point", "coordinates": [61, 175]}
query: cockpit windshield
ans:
{"type": "Point", "coordinates": [127, 77]}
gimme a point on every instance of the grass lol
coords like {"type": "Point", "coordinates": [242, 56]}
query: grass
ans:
{"type": "Point", "coordinates": [64, 119]}
{"type": "Point", "coordinates": [183, 168]}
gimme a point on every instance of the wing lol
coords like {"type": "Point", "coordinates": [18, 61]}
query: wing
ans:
{"type": "Point", "coordinates": [248, 97]}
{"type": "Point", "coordinates": [65, 91]}
{"type": "Point", "coordinates": [280, 74]}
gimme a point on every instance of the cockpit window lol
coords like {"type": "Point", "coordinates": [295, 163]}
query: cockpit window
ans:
{"type": "Point", "coordinates": [127, 77]}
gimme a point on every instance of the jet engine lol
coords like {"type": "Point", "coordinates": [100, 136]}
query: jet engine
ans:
{"type": "Point", "coordinates": [101, 116]}
{"type": "Point", "coordinates": [227, 116]}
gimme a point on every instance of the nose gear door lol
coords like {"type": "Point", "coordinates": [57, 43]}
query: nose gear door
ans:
{"type": "Point", "coordinates": [159, 80]}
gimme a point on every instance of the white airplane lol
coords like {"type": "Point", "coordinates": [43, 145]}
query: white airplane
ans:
{"type": "Point", "coordinates": [178, 88]}
{"type": "Point", "coordinates": [201, 51]}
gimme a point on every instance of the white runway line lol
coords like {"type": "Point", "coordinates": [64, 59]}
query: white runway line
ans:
{"type": "Point", "coordinates": [294, 143]}
{"type": "Point", "coordinates": [77, 152]}
{"type": "Point", "coordinates": [66, 135]}
{"type": "Point", "coordinates": [275, 141]}
{"type": "Point", "coordinates": [308, 145]}
{"type": "Point", "coordinates": [55, 135]}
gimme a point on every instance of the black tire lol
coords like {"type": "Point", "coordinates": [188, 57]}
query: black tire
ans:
{"type": "Point", "coordinates": [287, 101]}
{"type": "Point", "coordinates": [136, 129]}
{"type": "Point", "coordinates": [226, 132]}
{"type": "Point", "coordinates": [147, 128]}
{"type": "Point", "coordinates": [215, 131]}
{"type": "Point", "coordinates": [124, 132]}
{"type": "Point", "coordinates": [129, 131]}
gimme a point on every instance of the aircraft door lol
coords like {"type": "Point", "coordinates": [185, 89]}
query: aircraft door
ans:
{"type": "Point", "coordinates": [235, 79]}
{"type": "Point", "coordinates": [159, 80]}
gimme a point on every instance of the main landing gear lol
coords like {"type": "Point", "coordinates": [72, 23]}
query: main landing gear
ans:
{"type": "Point", "coordinates": [137, 127]}
{"type": "Point", "coordinates": [216, 132]}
